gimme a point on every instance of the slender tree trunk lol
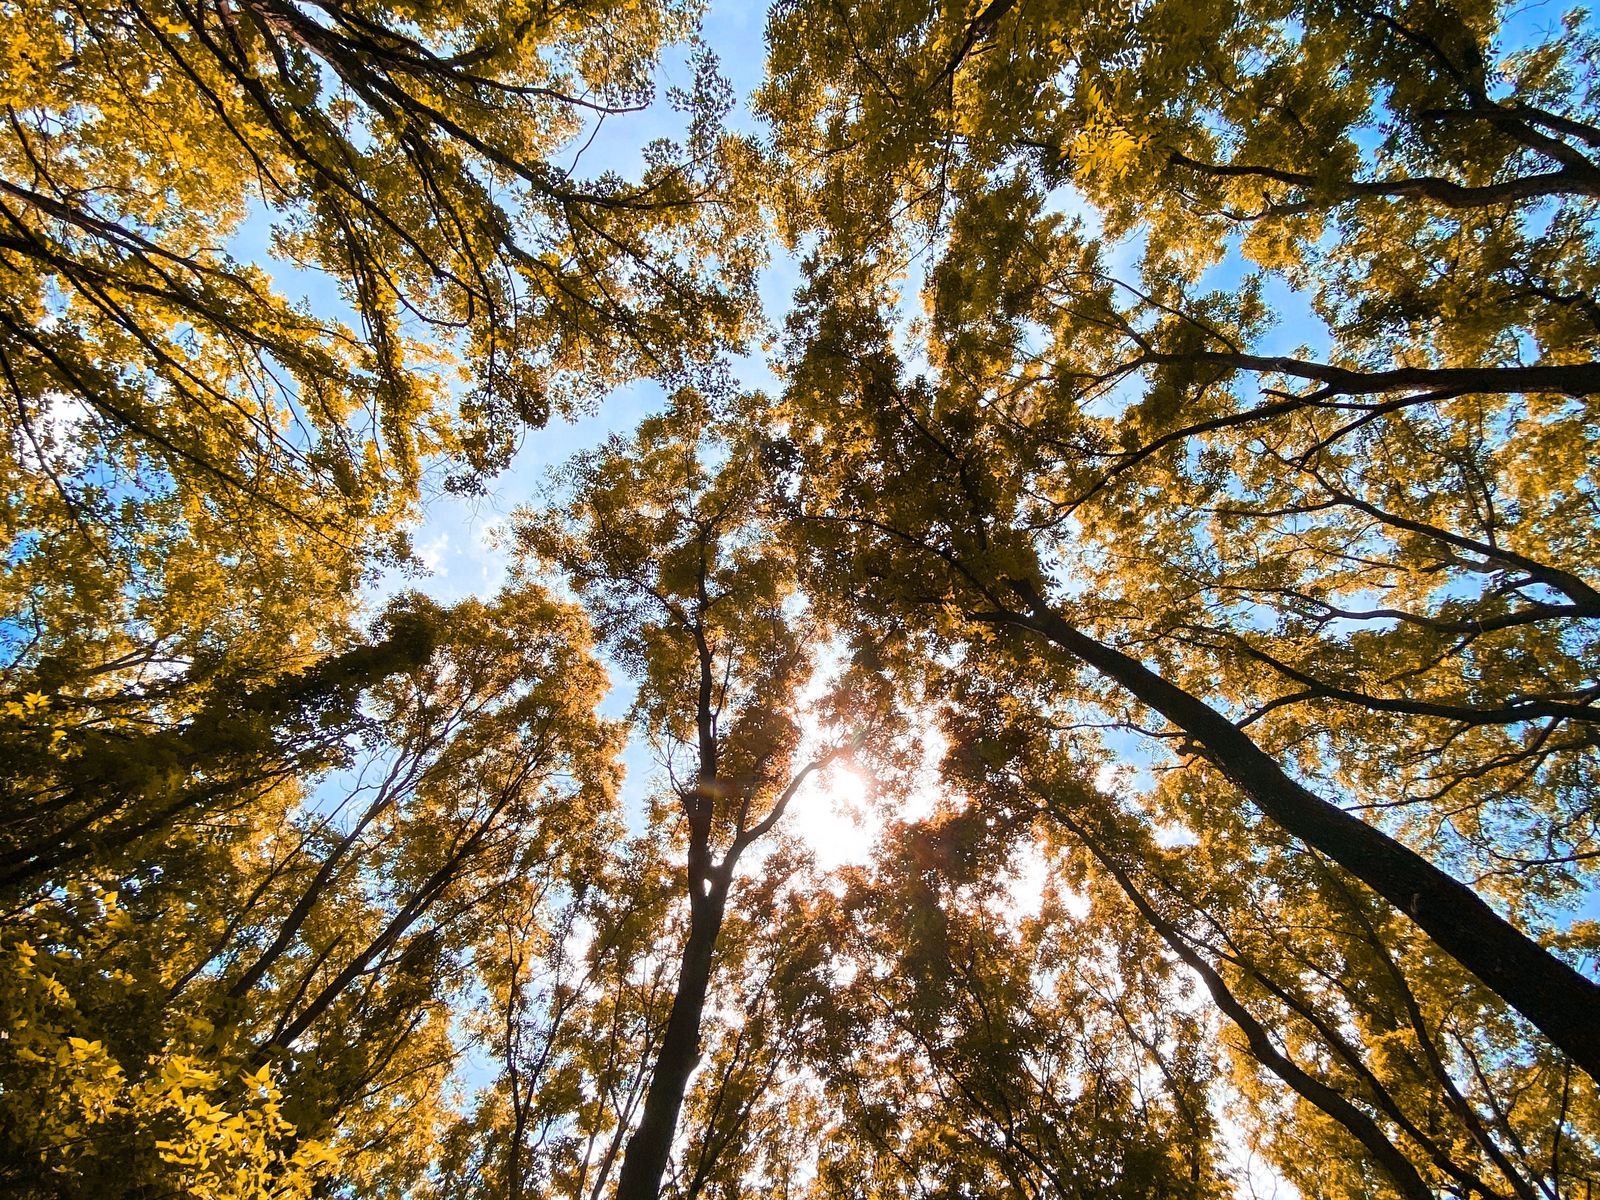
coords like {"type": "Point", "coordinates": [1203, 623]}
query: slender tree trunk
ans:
{"type": "Point", "coordinates": [1563, 1004]}
{"type": "Point", "coordinates": [1330, 1100]}
{"type": "Point", "coordinates": [646, 1159]}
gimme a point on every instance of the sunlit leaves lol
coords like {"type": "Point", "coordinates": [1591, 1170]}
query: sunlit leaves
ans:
{"type": "Point", "coordinates": [1328, 531]}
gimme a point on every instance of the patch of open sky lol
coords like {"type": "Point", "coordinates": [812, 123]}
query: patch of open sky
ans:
{"type": "Point", "coordinates": [1297, 329]}
{"type": "Point", "coordinates": [19, 637]}
{"type": "Point", "coordinates": [313, 290]}
{"type": "Point", "coordinates": [1528, 25]}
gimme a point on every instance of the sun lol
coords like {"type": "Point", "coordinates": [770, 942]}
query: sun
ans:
{"type": "Point", "coordinates": [835, 817]}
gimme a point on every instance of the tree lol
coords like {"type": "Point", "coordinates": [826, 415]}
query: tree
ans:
{"type": "Point", "coordinates": [1271, 664]}
{"type": "Point", "coordinates": [580, 991]}
{"type": "Point", "coordinates": [89, 786]}
{"type": "Point", "coordinates": [308, 929]}
{"type": "Point", "coordinates": [1367, 1059]}
{"type": "Point", "coordinates": [665, 543]}
{"type": "Point", "coordinates": [202, 475]}
{"type": "Point", "coordinates": [408, 160]}
{"type": "Point", "coordinates": [181, 434]}
{"type": "Point", "coordinates": [1319, 572]}
{"type": "Point", "coordinates": [971, 1052]}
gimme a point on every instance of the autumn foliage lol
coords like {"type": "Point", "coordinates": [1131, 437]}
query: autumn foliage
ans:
{"type": "Point", "coordinates": [1172, 510]}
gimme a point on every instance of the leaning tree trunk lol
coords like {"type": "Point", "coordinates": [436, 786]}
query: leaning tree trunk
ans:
{"type": "Point", "coordinates": [1562, 1003]}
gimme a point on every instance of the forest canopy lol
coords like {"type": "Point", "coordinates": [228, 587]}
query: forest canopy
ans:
{"type": "Point", "coordinates": [1085, 682]}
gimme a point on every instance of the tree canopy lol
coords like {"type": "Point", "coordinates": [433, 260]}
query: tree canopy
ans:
{"type": "Point", "coordinates": [1118, 698]}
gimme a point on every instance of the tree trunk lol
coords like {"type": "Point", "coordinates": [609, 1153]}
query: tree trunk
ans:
{"type": "Point", "coordinates": [1560, 1002]}
{"type": "Point", "coordinates": [1313, 1090]}
{"type": "Point", "coordinates": [646, 1159]}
